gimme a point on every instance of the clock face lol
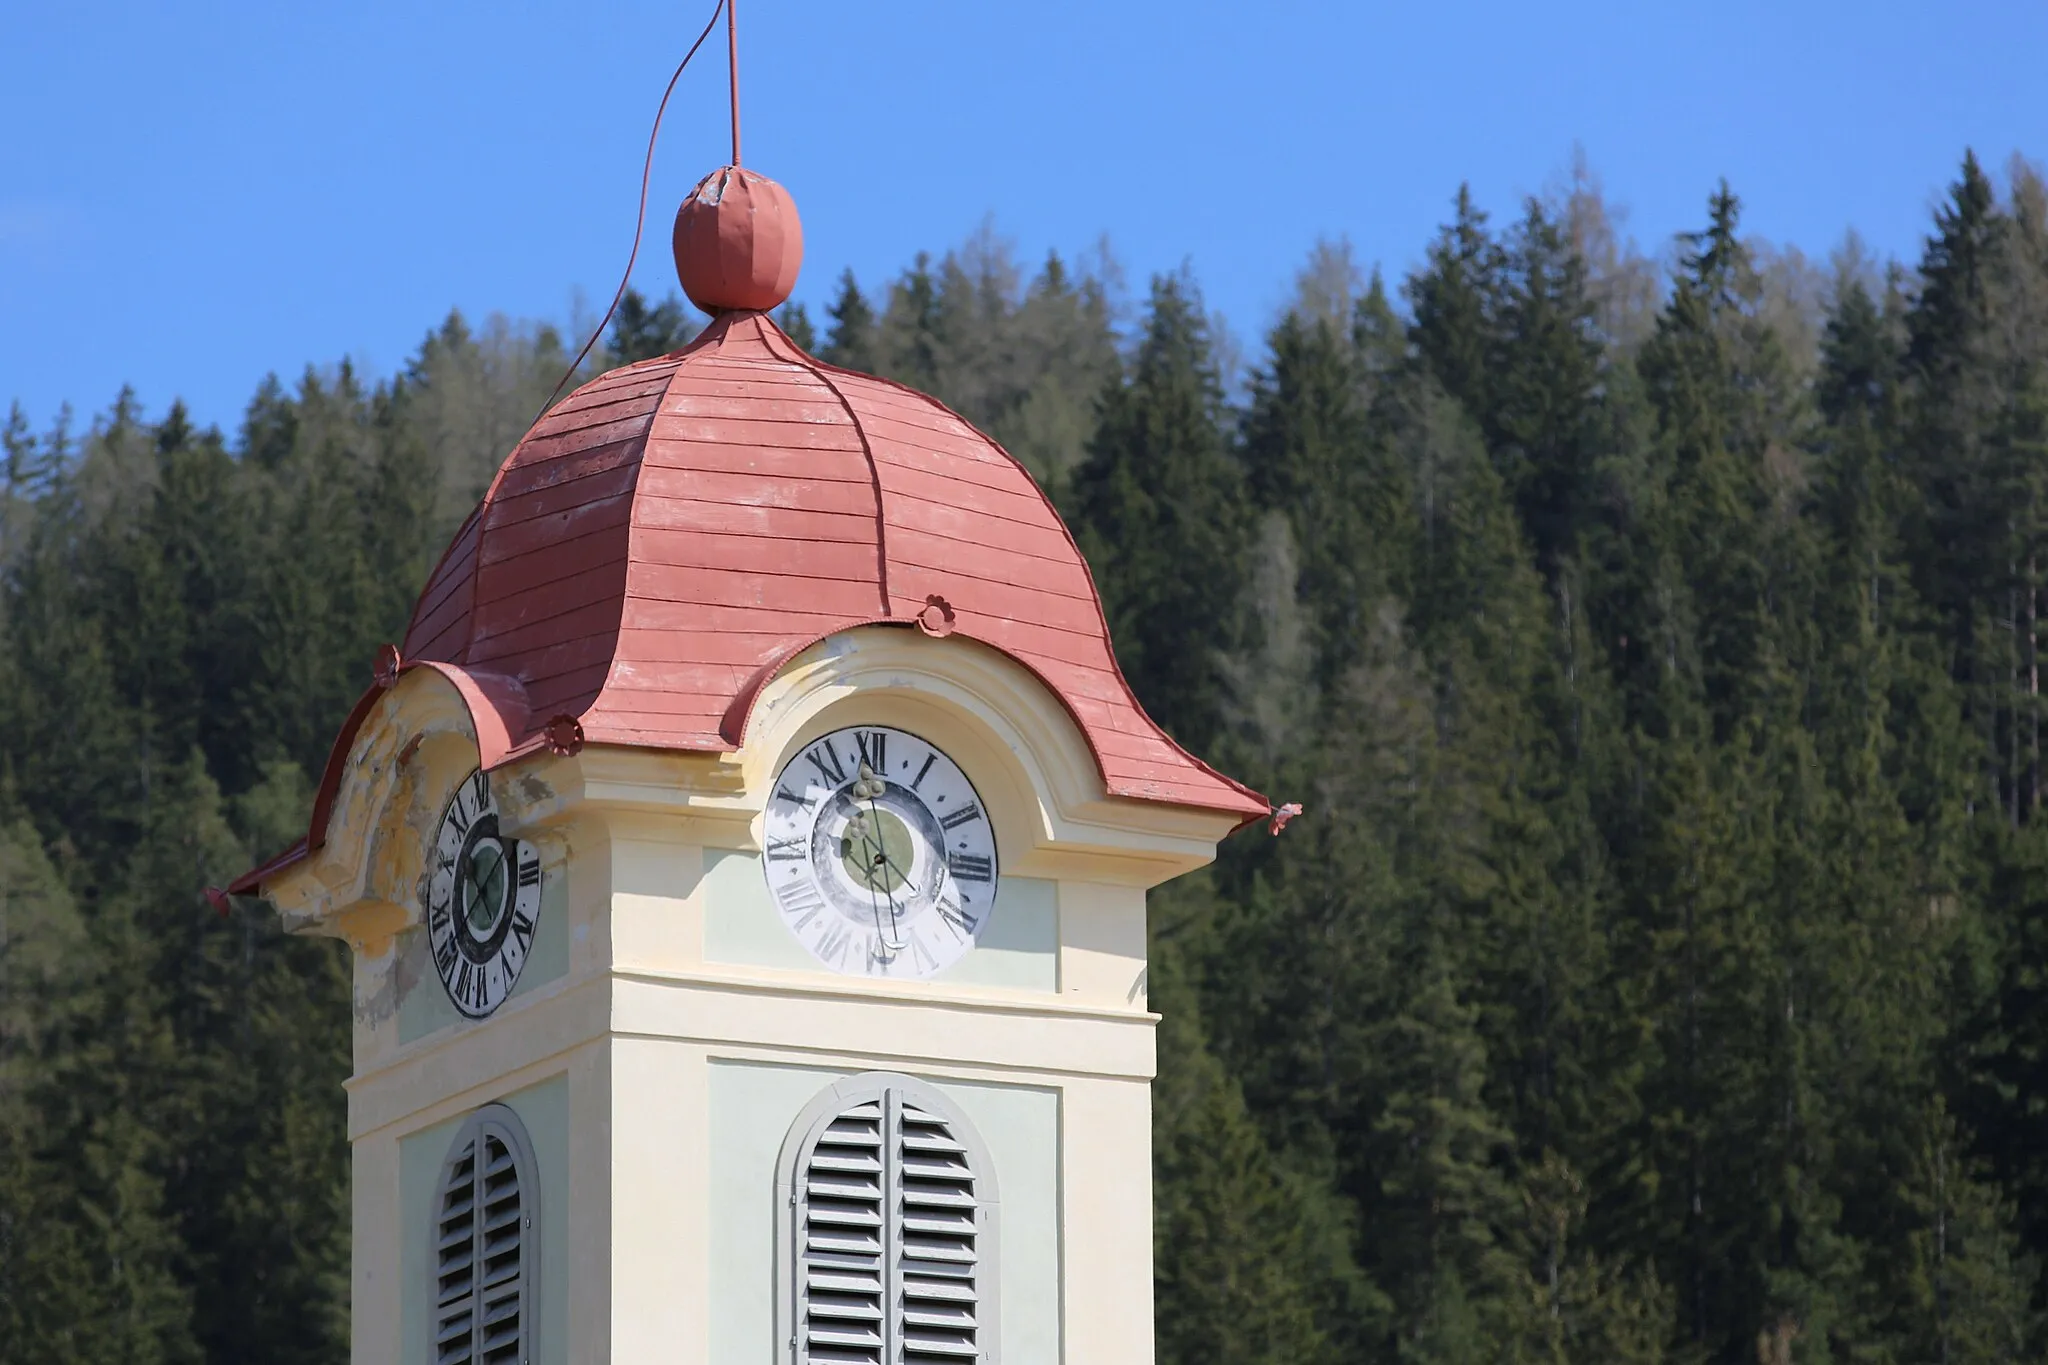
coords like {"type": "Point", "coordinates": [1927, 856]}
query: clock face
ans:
{"type": "Point", "coordinates": [483, 901]}
{"type": "Point", "coordinates": [879, 853]}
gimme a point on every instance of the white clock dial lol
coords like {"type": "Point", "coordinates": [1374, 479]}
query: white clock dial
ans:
{"type": "Point", "coordinates": [880, 855]}
{"type": "Point", "coordinates": [483, 901]}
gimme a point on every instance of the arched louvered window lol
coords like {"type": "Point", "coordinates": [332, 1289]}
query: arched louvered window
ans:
{"type": "Point", "coordinates": [889, 1249]}
{"type": "Point", "coordinates": [485, 1247]}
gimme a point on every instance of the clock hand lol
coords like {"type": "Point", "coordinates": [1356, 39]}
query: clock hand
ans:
{"type": "Point", "coordinates": [874, 899]}
{"type": "Point", "coordinates": [904, 877]}
{"type": "Point", "coordinates": [868, 787]}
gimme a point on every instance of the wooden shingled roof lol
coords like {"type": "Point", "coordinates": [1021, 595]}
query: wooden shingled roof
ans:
{"type": "Point", "coordinates": [673, 532]}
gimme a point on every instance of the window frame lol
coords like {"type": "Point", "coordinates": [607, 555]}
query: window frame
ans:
{"type": "Point", "coordinates": [802, 1139]}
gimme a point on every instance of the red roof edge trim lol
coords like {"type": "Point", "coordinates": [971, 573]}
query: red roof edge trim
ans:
{"type": "Point", "coordinates": [1094, 591]}
{"type": "Point", "coordinates": [250, 882]}
{"type": "Point", "coordinates": [497, 713]}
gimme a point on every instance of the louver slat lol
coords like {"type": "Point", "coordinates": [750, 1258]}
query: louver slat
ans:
{"type": "Point", "coordinates": [938, 1240]}
{"type": "Point", "coordinates": [480, 1243]}
{"type": "Point", "coordinates": [455, 1252]}
{"type": "Point", "coordinates": [841, 1273]}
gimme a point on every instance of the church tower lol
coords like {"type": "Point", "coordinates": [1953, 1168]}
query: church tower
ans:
{"type": "Point", "coordinates": [744, 860]}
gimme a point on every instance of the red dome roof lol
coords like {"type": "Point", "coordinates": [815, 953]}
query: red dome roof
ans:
{"type": "Point", "coordinates": [673, 532]}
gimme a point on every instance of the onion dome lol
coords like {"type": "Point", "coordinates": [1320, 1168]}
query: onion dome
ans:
{"type": "Point", "coordinates": [671, 534]}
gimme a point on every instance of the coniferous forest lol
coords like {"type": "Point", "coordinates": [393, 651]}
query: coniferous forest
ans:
{"type": "Point", "coordinates": [1659, 971]}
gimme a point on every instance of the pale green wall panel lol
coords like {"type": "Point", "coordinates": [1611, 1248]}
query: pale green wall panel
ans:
{"type": "Point", "coordinates": [740, 923]}
{"type": "Point", "coordinates": [1019, 948]}
{"type": "Point", "coordinates": [543, 1110]}
{"type": "Point", "coordinates": [752, 1108]}
{"type": "Point", "coordinates": [1021, 1125]}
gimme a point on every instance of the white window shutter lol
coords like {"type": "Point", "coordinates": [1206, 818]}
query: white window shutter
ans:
{"type": "Point", "coordinates": [892, 1243]}
{"type": "Point", "coordinates": [484, 1246]}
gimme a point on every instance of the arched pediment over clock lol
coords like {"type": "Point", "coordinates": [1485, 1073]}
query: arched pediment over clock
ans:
{"type": "Point", "coordinates": [358, 872]}
{"type": "Point", "coordinates": [1016, 737]}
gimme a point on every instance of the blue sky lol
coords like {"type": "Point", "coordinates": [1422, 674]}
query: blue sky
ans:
{"type": "Point", "coordinates": [193, 195]}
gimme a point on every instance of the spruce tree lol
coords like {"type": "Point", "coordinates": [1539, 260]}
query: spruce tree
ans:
{"type": "Point", "coordinates": [850, 341]}
{"type": "Point", "coordinates": [1158, 512]}
{"type": "Point", "coordinates": [641, 331]}
{"type": "Point", "coordinates": [1309, 455]}
{"type": "Point", "coordinates": [1234, 1245]}
{"type": "Point", "coordinates": [1456, 301]}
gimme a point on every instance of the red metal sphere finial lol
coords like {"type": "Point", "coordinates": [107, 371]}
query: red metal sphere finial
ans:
{"type": "Point", "coordinates": [738, 242]}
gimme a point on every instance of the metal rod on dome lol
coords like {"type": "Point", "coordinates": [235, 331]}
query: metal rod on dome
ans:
{"type": "Point", "coordinates": [732, 61]}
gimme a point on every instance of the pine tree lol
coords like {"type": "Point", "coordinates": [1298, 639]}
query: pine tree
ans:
{"type": "Point", "coordinates": [1061, 346]}
{"type": "Point", "coordinates": [910, 337]}
{"type": "Point", "coordinates": [1964, 551]}
{"type": "Point", "coordinates": [1441, 1197]}
{"type": "Point", "coordinates": [1234, 1235]}
{"type": "Point", "coordinates": [642, 332]}
{"type": "Point", "coordinates": [1158, 493]}
{"type": "Point", "coordinates": [1545, 429]}
{"type": "Point", "coordinates": [850, 343]}
{"type": "Point", "coordinates": [1309, 456]}
{"type": "Point", "coordinates": [795, 319]}
{"type": "Point", "coordinates": [1457, 299]}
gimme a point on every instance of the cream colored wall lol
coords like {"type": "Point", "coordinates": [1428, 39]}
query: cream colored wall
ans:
{"type": "Point", "coordinates": [669, 980]}
{"type": "Point", "coordinates": [1018, 948]}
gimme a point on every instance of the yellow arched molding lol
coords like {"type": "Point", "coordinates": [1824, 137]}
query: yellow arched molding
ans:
{"type": "Point", "coordinates": [363, 883]}
{"type": "Point", "coordinates": [1016, 740]}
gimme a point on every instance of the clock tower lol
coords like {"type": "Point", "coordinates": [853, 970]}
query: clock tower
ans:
{"type": "Point", "coordinates": [744, 859]}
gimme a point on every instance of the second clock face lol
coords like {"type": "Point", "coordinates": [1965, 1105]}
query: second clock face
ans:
{"type": "Point", "coordinates": [879, 854]}
{"type": "Point", "coordinates": [483, 899]}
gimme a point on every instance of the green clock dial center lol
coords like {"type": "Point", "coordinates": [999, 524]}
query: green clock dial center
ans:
{"type": "Point", "coordinates": [877, 849]}
{"type": "Point", "coordinates": [483, 887]}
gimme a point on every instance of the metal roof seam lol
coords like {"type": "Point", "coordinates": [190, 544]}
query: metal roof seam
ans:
{"type": "Point", "coordinates": [867, 450]}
